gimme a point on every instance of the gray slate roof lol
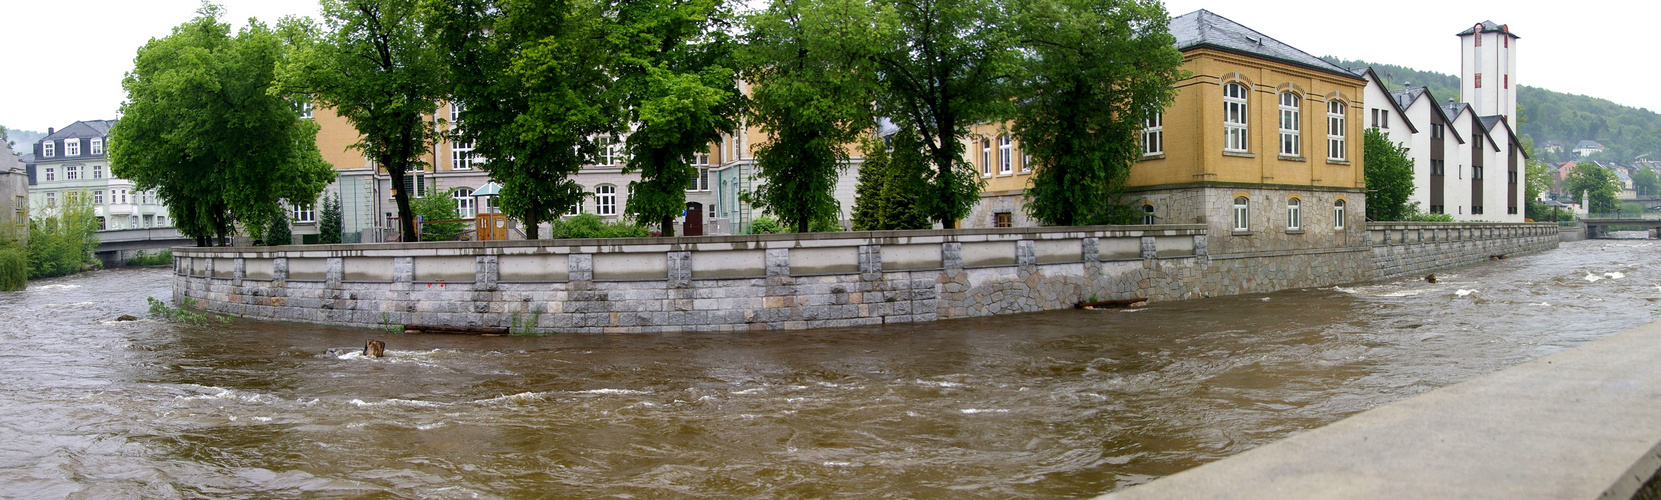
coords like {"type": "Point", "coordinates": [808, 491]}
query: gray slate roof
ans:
{"type": "Point", "coordinates": [1202, 28]}
{"type": "Point", "coordinates": [1588, 145]}
{"type": "Point", "coordinates": [85, 129]}
{"type": "Point", "coordinates": [1489, 26]}
{"type": "Point", "coordinates": [1405, 97]}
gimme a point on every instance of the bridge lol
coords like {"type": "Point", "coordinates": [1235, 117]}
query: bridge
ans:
{"type": "Point", "coordinates": [1598, 225]}
{"type": "Point", "coordinates": [115, 247]}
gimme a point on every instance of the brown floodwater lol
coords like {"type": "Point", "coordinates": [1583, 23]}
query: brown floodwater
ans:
{"type": "Point", "coordinates": [1054, 404]}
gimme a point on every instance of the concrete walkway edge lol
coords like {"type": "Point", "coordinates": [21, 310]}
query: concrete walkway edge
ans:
{"type": "Point", "coordinates": [1582, 423]}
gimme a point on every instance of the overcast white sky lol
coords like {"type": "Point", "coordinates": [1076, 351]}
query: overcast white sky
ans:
{"type": "Point", "coordinates": [67, 58]}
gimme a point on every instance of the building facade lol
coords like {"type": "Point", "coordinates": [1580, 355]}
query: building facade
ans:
{"type": "Point", "coordinates": [73, 162]}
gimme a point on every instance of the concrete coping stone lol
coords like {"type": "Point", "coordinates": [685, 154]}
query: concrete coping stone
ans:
{"type": "Point", "coordinates": [1582, 423]}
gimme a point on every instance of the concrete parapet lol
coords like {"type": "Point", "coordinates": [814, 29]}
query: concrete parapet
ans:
{"type": "Point", "coordinates": [1582, 423]}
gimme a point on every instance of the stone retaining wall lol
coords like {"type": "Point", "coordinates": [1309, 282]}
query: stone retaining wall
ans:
{"type": "Point", "coordinates": [726, 283]}
{"type": "Point", "coordinates": [1405, 249]}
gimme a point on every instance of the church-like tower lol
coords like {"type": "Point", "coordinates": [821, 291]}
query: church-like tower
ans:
{"type": "Point", "coordinates": [1488, 70]}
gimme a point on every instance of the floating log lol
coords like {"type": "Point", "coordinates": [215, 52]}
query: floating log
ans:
{"type": "Point", "coordinates": [465, 330]}
{"type": "Point", "coordinates": [1110, 303]}
{"type": "Point", "coordinates": [374, 349]}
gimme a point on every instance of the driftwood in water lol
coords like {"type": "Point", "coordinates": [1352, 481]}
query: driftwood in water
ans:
{"type": "Point", "coordinates": [1111, 303]}
{"type": "Point", "coordinates": [374, 349]}
{"type": "Point", "coordinates": [470, 330]}
{"type": "Point", "coordinates": [1430, 278]}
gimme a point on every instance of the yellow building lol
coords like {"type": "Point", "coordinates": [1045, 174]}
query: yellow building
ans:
{"type": "Point", "coordinates": [1263, 144]}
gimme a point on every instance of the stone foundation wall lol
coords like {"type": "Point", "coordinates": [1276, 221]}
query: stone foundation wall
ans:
{"type": "Point", "coordinates": [1406, 249]}
{"type": "Point", "coordinates": [768, 282]}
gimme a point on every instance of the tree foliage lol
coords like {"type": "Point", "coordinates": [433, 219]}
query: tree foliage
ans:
{"type": "Point", "coordinates": [1094, 71]}
{"type": "Point", "coordinates": [812, 95]}
{"type": "Point", "coordinates": [373, 62]}
{"type": "Point", "coordinates": [438, 205]}
{"type": "Point", "coordinates": [1646, 182]}
{"type": "Point", "coordinates": [203, 128]}
{"type": "Point", "coordinates": [1594, 184]}
{"type": "Point", "coordinates": [892, 180]}
{"type": "Point", "coordinates": [1389, 173]}
{"type": "Point", "coordinates": [329, 223]}
{"type": "Point", "coordinates": [278, 232]}
{"type": "Point", "coordinates": [592, 226]}
{"type": "Point", "coordinates": [62, 241]}
{"type": "Point", "coordinates": [944, 66]}
{"type": "Point", "coordinates": [532, 77]}
{"type": "Point", "coordinates": [676, 83]}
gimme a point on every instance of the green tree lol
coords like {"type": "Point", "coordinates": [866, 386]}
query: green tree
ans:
{"type": "Point", "coordinates": [892, 181]}
{"type": "Point", "coordinates": [1095, 71]}
{"type": "Point", "coordinates": [1389, 174]}
{"type": "Point", "coordinates": [61, 241]}
{"type": "Point", "coordinates": [373, 62]}
{"type": "Point", "coordinates": [532, 77]}
{"type": "Point", "coordinates": [944, 66]}
{"type": "Point", "coordinates": [438, 206]}
{"type": "Point", "coordinates": [805, 60]}
{"type": "Point", "coordinates": [203, 128]}
{"type": "Point", "coordinates": [675, 80]}
{"type": "Point", "coordinates": [329, 222]}
{"type": "Point", "coordinates": [1646, 182]}
{"type": "Point", "coordinates": [1595, 184]}
{"type": "Point", "coordinates": [278, 231]}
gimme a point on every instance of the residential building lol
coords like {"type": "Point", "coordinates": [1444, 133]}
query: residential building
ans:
{"type": "Point", "coordinates": [1587, 148]}
{"type": "Point", "coordinates": [73, 162]}
{"type": "Point", "coordinates": [1488, 62]}
{"type": "Point", "coordinates": [14, 195]}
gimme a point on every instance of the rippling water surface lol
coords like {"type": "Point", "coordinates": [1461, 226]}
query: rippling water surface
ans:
{"type": "Point", "coordinates": [1065, 403]}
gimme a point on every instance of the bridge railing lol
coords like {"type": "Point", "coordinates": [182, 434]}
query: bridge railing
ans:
{"type": "Point", "coordinates": [1627, 216]}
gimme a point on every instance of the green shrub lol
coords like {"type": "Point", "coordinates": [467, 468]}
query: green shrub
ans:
{"type": "Point", "coordinates": [592, 226]}
{"type": "Point", "coordinates": [62, 242]}
{"type": "Point", "coordinates": [765, 225]}
{"type": "Point", "coordinates": [438, 205]}
{"type": "Point", "coordinates": [1414, 214]}
{"type": "Point", "coordinates": [162, 258]}
{"type": "Point", "coordinates": [278, 233]}
{"type": "Point", "coordinates": [14, 268]}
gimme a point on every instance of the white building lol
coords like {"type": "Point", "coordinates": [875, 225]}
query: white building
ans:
{"type": "Point", "coordinates": [74, 162]}
{"type": "Point", "coordinates": [1588, 148]}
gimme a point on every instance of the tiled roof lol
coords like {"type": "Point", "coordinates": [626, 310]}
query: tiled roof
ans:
{"type": "Point", "coordinates": [1490, 26]}
{"type": "Point", "coordinates": [1202, 28]}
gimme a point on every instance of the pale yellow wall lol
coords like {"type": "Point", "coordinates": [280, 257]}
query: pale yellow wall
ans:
{"type": "Point", "coordinates": [1194, 133]}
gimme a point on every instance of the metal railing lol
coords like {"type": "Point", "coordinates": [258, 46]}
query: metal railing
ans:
{"type": "Point", "coordinates": [1627, 216]}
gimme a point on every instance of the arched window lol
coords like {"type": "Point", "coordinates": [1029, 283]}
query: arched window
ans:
{"type": "Point", "coordinates": [986, 157]}
{"type": "Point", "coordinates": [464, 203]}
{"type": "Point", "coordinates": [1338, 214]}
{"type": "Point", "coordinates": [1335, 130]}
{"type": "Point", "coordinates": [605, 199]}
{"type": "Point", "coordinates": [1006, 153]}
{"type": "Point", "coordinates": [1234, 117]}
{"type": "Point", "coordinates": [1240, 214]}
{"type": "Point", "coordinates": [1294, 213]}
{"type": "Point", "coordinates": [576, 208]}
{"type": "Point", "coordinates": [1147, 214]}
{"type": "Point", "coordinates": [1291, 130]}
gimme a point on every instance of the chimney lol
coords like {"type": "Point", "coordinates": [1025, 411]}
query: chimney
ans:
{"type": "Point", "coordinates": [50, 131]}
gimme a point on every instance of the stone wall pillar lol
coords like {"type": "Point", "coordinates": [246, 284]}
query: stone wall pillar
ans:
{"type": "Point", "coordinates": [1149, 248]}
{"type": "Point", "coordinates": [1200, 247]}
{"type": "Point", "coordinates": [279, 272]}
{"type": "Point", "coordinates": [1026, 259]}
{"type": "Point", "coordinates": [953, 282]}
{"type": "Point", "coordinates": [334, 272]}
{"type": "Point", "coordinates": [207, 269]}
{"type": "Point", "coordinates": [680, 269]}
{"type": "Point", "coordinates": [870, 262]}
{"type": "Point", "coordinates": [580, 271]}
{"type": "Point", "coordinates": [239, 270]}
{"type": "Point", "coordinates": [485, 272]}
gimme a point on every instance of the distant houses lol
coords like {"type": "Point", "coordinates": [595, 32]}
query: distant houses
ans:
{"type": "Point", "coordinates": [1588, 148]}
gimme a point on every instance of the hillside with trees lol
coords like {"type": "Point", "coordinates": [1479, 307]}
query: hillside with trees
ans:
{"type": "Point", "coordinates": [22, 139]}
{"type": "Point", "coordinates": [1625, 131]}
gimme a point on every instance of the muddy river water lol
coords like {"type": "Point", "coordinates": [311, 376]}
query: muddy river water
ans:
{"type": "Point", "coordinates": [1055, 404]}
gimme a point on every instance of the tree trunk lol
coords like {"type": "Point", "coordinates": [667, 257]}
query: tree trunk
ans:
{"type": "Point", "coordinates": [668, 226]}
{"type": "Point", "coordinates": [202, 241]}
{"type": "Point", "coordinates": [406, 217]}
{"type": "Point", "coordinates": [532, 231]}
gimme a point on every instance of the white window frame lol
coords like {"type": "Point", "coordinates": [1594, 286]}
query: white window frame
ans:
{"type": "Point", "coordinates": [1294, 214]}
{"type": "Point", "coordinates": [98, 197]}
{"type": "Point", "coordinates": [576, 208]}
{"type": "Point", "coordinates": [71, 172]}
{"type": "Point", "coordinates": [51, 174]}
{"type": "Point", "coordinates": [605, 200]}
{"type": "Point", "coordinates": [1338, 214]}
{"type": "Point", "coordinates": [610, 152]}
{"type": "Point", "coordinates": [97, 145]}
{"type": "Point", "coordinates": [72, 146]}
{"type": "Point", "coordinates": [986, 157]}
{"type": "Point", "coordinates": [1147, 214]}
{"type": "Point", "coordinates": [1335, 110]}
{"type": "Point", "coordinates": [48, 149]}
{"type": "Point", "coordinates": [123, 196]}
{"type": "Point", "coordinates": [305, 213]}
{"type": "Point", "coordinates": [461, 155]}
{"type": "Point", "coordinates": [305, 110]}
{"type": "Point", "coordinates": [1236, 129]}
{"type": "Point", "coordinates": [51, 200]}
{"type": "Point", "coordinates": [1006, 155]}
{"type": "Point", "coordinates": [464, 202]}
{"type": "Point", "coordinates": [1242, 214]}
{"type": "Point", "coordinates": [1291, 124]}
{"type": "Point", "coordinates": [1153, 134]}
{"type": "Point", "coordinates": [97, 171]}
{"type": "Point", "coordinates": [1026, 161]}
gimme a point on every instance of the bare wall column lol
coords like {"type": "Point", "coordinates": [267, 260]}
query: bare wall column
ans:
{"type": "Point", "coordinates": [680, 269]}
{"type": "Point", "coordinates": [334, 272]}
{"type": "Point", "coordinates": [403, 270]}
{"type": "Point", "coordinates": [279, 272]}
{"type": "Point", "coordinates": [870, 262]}
{"type": "Point", "coordinates": [239, 269]}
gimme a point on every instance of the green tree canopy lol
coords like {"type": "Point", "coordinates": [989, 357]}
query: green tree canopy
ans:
{"type": "Point", "coordinates": [1645, 182]}
{"type": "Point", "coordinates": [892, 179]}
{"type": "Point", "coordinates": [1095, 70]}
{"type": "Point", "coordinates": [329, 220]}
{"type": "Point", "coordinates": [1594, 184]}
{"type": "Point", "coordinates": [203, 127]}
{"type": "Point", "coordinates": [812, 94]}
{"type": "Point", "coordinates": [676, 82]}
{"type": "Point", "coordinates": [944, 66]}
{"type": "Point", "coordinates": [1389, 173]}
{"type": "Point", "coordinates": [531, 75]}
{"type": "Point", "coordinates": [372, 61]}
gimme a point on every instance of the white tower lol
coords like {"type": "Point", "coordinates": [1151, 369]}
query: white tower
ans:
{"type": "Point", "coordinates": [1488, 77]}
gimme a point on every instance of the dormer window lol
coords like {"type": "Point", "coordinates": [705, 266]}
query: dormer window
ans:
{"type": "Point", "coordinates": [72, 147]}
{"type": "Point", "coordinates": [98, 145]}
{"type": "Point", "coordinates": [48, 149]}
